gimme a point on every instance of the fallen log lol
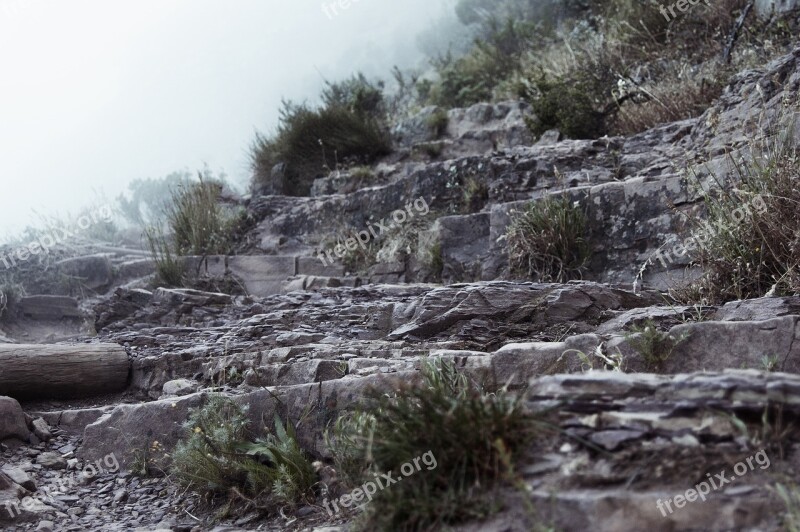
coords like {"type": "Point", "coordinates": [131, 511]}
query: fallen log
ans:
{"type": "Point", "coordinates": [62, 371]}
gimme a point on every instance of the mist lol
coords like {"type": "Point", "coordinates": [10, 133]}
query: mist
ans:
{"type": "Point", "coordinates": [97, 93]}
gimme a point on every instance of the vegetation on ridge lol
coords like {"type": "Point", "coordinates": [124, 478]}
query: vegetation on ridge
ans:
{"type": "Point", "coordinates": [349, 128]}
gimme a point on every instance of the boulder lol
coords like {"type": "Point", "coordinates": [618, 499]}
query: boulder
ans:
{"type": "Point", "coordinates": [13, 423]}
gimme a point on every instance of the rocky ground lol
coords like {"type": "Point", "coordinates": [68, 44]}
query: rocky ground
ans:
{"type": "Point", "coordinates": [306, 341]}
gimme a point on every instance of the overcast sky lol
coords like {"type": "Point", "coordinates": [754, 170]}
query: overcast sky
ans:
{"type": "Point", "coordinates": [95, 93]}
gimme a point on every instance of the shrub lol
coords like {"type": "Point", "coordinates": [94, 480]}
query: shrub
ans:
{"type": "Point", "coordinates": [546, 241]}
{"type": "Point", "coordinates": [656, 347]}
{"type": "Point", "coordinates": [433, 260]}
{"type": "Point", "coordinates": [566, 106]}
{"type": "Point", "coordinates": [169, 268]}
{"type": "Point", "coordinates": [752, 229]}
{"type": "Point", "coordinates": [437, 122]}
{"type": "Point", "coordinates": [209, 460]}
{"type": "Point", "coordinates": [432, 149]}
{"type": "Point", "coordinates": [199, 222]}
{"type": "Point", "coordinates": [349, 440]}
{"type": "Point", "coordinates": [494, 57]}
{"type": "Point", "coordinates": [789, 494]}
{"type": "Point", "coordinates": [469, 430]}
{"type": "Point", "coordinates": [622, 68]}
{"type": "Point", "coordinates": [476, 194]}
{"type": "Point", "coordinates": [217, 458]}
{"type": "Point", "coordinates": [348, 128]}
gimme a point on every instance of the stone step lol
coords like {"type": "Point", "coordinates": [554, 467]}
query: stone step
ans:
{"type": "Point", "coordinates": [262, 275]}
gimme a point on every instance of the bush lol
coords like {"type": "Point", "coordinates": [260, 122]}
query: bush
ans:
{"type": "Point", "coordinates": [566, 106]}
{"type": "Point", "coordinates": [199, 222]}
{"type": "Point", "coordinates": [470, 431]}
{"type": "Point", "coordinates": [437, 122]}
{"type": "Point", "coordinates": [217, 458]}
{"type": "Point", "coordinates": [350, 127]}
{"type": "Point", "coordinates": [752, 229]}
{"type": "Point", "coordinates": [169, 267]}
{"type": "Point", "coordinates": [476, 194]}
{"type": "Point", "coordinates": [655, 346]}
{"type": "Point", "coordinates": [473, 78]}
{"type": "Point", "coordinates": [349, 440]}
{"type": "Point", "coordinates": [546, 241]}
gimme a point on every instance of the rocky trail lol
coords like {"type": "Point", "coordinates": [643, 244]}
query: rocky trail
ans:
{"type": "Point", "coordinates": [306, 340]}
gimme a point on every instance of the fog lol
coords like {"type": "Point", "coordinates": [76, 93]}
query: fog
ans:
{"type": "Point", "coordinates": [95, 93]}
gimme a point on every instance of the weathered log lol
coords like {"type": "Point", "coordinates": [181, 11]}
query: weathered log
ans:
{"type": "Point", "coordinates": [62, 371]}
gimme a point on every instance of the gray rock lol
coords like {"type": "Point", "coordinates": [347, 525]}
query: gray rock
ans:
{"type": "Point", "coordinates": [465, 245]}
{"type": "Point", "coordinates": [185, 296]}
{"type": "Point", "coordinates": [51, 460]}
{"type": "Point", "coordinates": [20, 477]}
{"type": "Point", "coordinates": [611, 440]}
{"type": "Point", "coordinates": [180, 387]}
{"type": "Point", "coordinates": [45, 526]}
{"type": "Point", "coordinates": [13, 423]}
{"type": "Point", "coordinates": [759, 309]}
{"type": "Point", "coordinates": [41, 429]}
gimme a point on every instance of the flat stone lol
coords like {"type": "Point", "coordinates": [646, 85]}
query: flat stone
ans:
{"type": "Point", "coordinates": [51, 460]}
{"type": "Point", "coordinates": [20, 477]}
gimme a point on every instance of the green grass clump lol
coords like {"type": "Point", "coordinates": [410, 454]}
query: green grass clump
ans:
{"type": "Point", "coordinates": [471, 433]}
{"type": "Point", "coordinates": [169, 267]}
{"type": "Point", "coordinates": [789, 494]}
{"type": "Point", "coordinates": [199, 224]}
{"type": "Point", "coordinates": [546, 241]}
{"type": "Point", "coordinates": [218, 458]}
{"type": "Point", "coordinates": [437, 122]}
{"type": "Point", "coordinates": [348, 128]}
{"type": "Point", "coordinates": [655, 346]}
{"type": "Point", "coordinates": [349, 440]}
{"type": "Point", "coordinates": [751, 229]}
{"type": "Point", "coordinates": [566, 105]}
{"type": "Point", "coordinates": [476, 194]}
{"type": "Point", "coordinates": [473, 78]}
